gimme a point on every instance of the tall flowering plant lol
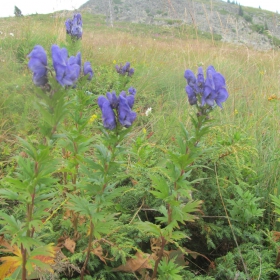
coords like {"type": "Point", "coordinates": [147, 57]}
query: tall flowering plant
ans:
{"type": "Point", "coordinates": [171, 183]}
{"type": "Point", "coordinates": [33, 186]}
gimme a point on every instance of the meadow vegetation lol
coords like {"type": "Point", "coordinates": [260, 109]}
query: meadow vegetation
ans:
{"type": "Point", "coordinates": [175, 196]}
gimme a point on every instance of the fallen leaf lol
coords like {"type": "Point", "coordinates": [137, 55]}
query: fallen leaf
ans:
{"type": "Point", "coordinates": [140, 261]}
{"type": "Point", "coordinates": [70, 245]}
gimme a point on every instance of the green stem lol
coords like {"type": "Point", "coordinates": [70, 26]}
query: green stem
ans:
{"type": "Point", "coordinates": [23, 271]}
{"type": "Point", "coordinates": [88, 250]}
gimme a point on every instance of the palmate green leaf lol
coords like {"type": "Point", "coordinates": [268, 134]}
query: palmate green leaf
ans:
{"type": "Point", "coordinates": [276, 202]}
{"type": "Point", "coordinates": [16, 184]}
{"type": "Point", "coordinates": [36, 224]}
{"type": "Point", "coordinates": [113, 168]}
{"type": "Point", "coordinates": [182, 160]}
{"type": "Point", "coordinates": [81, 205]}
{"type": "Point", "coordinates": [11, 225]}
{"type": "Point", "coordinates": [190, 207]}
{"type": "Point", "coordinates": [149, 228]}
{"type": "Point", "coordinates": [103, 154]}
{"type": "Point", "coordinates": [26, 169]}
{"type": "Point", "coordinates": [103, 224]}
{"type": "Point", "coordinates": [93, 165]}
{"type": "Point", "coordinates": [159, 183]}
{"type": "Point", "coordinates": [8, 194]}
{"type": "Point", "coordinates": [178, 235]}
{"type": "Point", "coordinates": [28, 148]}
{"type": "Point", "coordinates": [45, 250]}
{"type": "Point", "coordinates": [28, 242]}
{"type": "Point", "coordinates": [164, 219]}
{"type": "Point", "coordinates": [172, 171]}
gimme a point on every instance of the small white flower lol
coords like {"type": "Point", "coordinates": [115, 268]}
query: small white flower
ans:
{"type": "Point", "coordinates": [12, 34]}
{"type": "Point", "coordinates": [148, 111]}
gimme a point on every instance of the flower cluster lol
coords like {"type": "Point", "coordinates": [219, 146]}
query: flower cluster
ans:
{"type": "Point", "coordinates": [67, 70]}
{"type": "Point", "coordinates": [120, 106]}
{"type": "Point", "coordinates": [74, 27]}
{"type": "Point", "coordinates": [123, 70]}
{"type": "Point", "coordinates": [206, 91]}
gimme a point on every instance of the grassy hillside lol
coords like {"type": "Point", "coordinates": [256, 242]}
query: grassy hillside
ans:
{"type": "Point", "coordinates": [241, 151]}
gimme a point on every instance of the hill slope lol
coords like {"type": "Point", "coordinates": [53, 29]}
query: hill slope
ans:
{"type": "Point", "coordinates": [252, 27]}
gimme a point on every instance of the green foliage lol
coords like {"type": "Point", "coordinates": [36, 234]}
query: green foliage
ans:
{"type": "Point", "coordinates": [259, 28]}
{"type": "Point", "coordinates": [244, 208]}
{"type": "Point", "coordinates": [258, 259]}
{"type": "Point", "coordinates": [168, 270]}
{"type": "Point", "coordinates": [248, 18]}
{"type": "Point", "coordinates": [202, 188]}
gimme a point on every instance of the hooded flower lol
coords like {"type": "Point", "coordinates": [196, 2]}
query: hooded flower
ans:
{"type": "Point", "coordinates": [120, 106]}
{"type": "Point", "coordinates": [68, 25]}
{"type": "Point", "coordinates": [67, 71]}
{"type": "Point", "coordinates": [76, 59]}
{"type": "Point", "coordinates": [123, 70]}
{"type": "Point", "coordinates": [38, 65]}
{"type": "Point", "coordinates": [113, 99]}
{"type": "Point", "coordinates": [88, 70]}
{"type": "Point", "coordinates": [208, 91]}
{"type": "Point", "coordinates": [74, 27]}
{"type": "Point", "coordinates": [126, 115]}
{"type": "Point", "coordinates": [108, 115]}
{"type": "Point", "coordinates": [215, 88]}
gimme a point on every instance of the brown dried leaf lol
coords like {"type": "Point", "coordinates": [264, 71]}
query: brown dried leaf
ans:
{"type": "Point", "coordinates": [70, 245]}
{"type": "Point", "coordinates": [98, 251]}
{"type": "Point", "coordinates": [141, 261]}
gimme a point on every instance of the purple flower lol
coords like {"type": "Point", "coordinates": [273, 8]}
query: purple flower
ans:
{"type": "Point", "coordinates": [67, 71]}
{"type": "Point", "coordinates": [208, 91]}
{"type": "Point", "coordinates": [75, 59]}
{"type": "Point", "coordinates": [130, 98]}
{"type": "Point", "coordinates": [68, 25]}
{"type": "Point", "coordinates": [132, 90]}
{"type": "Point", "coordinates": [38, 65]}
{"type": "Point", "coordinates": [123, 70]}
{"type": "Point", "coordinates": [126, 67]}
{"type": "Point", "coordinates": [130, 72]}
{"type": "Point", "coordinates": [113, 99]}
{"type": "Point", "coordinates": [74, 27]}
{"type": "Point", "coordinates": [126, 116]}
{"type": "Point", "coordinates": [191, 95]}
{"type": "Point", "coordinates": [215, 88]}
{"type": "Point", "coordinates": [108, 115]}
{"type": "Point", "coordinates": [88, 70]}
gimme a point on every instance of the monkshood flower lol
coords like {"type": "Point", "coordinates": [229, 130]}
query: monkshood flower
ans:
{"type": "Point", "coordinates": [126, 115]}
{"type": "Point", "coordinates": [76, 59]}
{"type": "Point", "coordinates": [88, 70]}
{"type": "Point", "coordinates": [206, 91]}
{"type": "Point", "coordinates": [108, 114]}
{"type": "Point", "coordinates": [113, 99]}
{"type": "Point", "coordinates": [74, 27]}
{"type": "Point", "coordinates": [67, 70]}
{"type": "Point", "coordinates": [38, 65]}
{"type": "Point", "coordinates": [123, 70]}
{"type": "Point", "coordinates": [122, 105]}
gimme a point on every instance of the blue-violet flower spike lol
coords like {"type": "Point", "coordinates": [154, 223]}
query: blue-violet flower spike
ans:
{"type": "Point", "coordinates": [38, 65]}
{"type": "Point", "coordinates": [88, 70]}
{"type": "Point", "coordinates": [108, 115]}
{"type": "Point", "coordinates": [126, 116]}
